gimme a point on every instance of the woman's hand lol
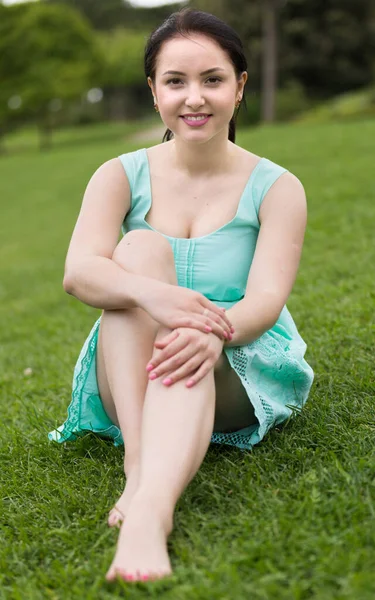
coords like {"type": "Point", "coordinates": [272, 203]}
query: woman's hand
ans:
{"type": "Point", "coordinates": [184, 352]}
{"type": "Point", "coordinates": [175, 306]}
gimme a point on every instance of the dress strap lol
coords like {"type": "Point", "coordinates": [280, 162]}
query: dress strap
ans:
{"type": "Point", "coordinates": [133, 163]}
{"type": "Point", "coordinates": [265, 176]}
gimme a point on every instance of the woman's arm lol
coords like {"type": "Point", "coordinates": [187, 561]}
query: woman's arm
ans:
{"type": "Point", "coordinates": [94, 278]}
{"type": "Point", "coordinates": [90, 274]}
{"type": "Point", "coordinates": [282, 215]}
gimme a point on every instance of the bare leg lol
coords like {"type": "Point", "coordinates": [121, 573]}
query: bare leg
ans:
{"type": "Point", "coordinates": [177, 425]}
{"type": "Point", "coordinates": [176, 430]}
{"type": "Point", "coordinates": [166, 433]}
{"type": "Point", "coordinates": [125, 344]}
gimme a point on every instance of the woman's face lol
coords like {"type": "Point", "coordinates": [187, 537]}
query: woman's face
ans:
{"type": "Point", "coordinates": [194, 76]}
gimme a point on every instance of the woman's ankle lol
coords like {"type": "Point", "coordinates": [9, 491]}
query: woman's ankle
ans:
{"type": "Point", "coordinates": [131, 467]}
{"type": "Point", "coordinates": [149, 502]}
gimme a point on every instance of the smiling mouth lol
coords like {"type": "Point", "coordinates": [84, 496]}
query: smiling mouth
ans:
{"type": "Point", "coordinates": [195, 117]}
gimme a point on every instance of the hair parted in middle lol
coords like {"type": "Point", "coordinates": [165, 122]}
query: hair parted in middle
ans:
{"type": "Point", "coordinates": [185, 22]}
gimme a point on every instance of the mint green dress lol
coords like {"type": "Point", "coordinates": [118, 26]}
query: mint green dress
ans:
{"type": "Point", "coordinates": [272, 369]}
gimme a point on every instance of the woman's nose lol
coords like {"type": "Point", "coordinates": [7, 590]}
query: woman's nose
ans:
{"type": "Point", "coordinates": [194, 97]}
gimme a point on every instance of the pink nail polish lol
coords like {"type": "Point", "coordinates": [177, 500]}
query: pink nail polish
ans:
{"type": "Point", "coordinates": [208, 328]}
{"type": "Point", "coordinates": [149, 367]}
{"type": "Point", "coordinates": [167, 381]}
{"type": "Point", "coordinates": [225, 334]}
{"type": "Point", "coordinates": [153, 376]}
{"type": "Point", "coordinates": [190, 383]}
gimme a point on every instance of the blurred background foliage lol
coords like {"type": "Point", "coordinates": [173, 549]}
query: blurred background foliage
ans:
{"type": "Point", "coordinates": [74, 62]}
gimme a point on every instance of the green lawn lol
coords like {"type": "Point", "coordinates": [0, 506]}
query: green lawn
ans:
{"type": "Point", "coordinates": [292, 520]}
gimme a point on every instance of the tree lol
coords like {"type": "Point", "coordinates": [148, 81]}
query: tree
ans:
{"type": "Point", "coordinates": [327, 46]}
{"type": "Point", "coordinates": [48, 56]}
{"type": "Point", "coordinates": [8, 23]}
{"type": "Point", "coordinates": [270, 13]}
{"type": "Point", "coordinates": [123, 79]}
{"type": "Point", "coordinates": [110, 14]}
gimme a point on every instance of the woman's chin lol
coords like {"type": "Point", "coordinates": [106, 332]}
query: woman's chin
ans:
{"type": "Point", "coordinates": [199, 137]}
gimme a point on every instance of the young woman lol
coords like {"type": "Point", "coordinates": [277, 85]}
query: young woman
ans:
{"type": "Point", "coordinates": [195, 343]}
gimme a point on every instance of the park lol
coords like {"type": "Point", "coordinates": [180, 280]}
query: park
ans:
{"type": "Point", "coordinates": [293, 518]}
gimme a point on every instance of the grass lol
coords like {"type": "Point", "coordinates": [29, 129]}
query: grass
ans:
{"type": "Point", "coordinates": [28, 138]}
{"type": "Point", "coordinates": [292, 520]}
{"type": "Point", "coordinates": [358, 104]}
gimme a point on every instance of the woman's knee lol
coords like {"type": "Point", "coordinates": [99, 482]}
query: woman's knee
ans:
{"type": "Point", "coordinates": [147, 253]}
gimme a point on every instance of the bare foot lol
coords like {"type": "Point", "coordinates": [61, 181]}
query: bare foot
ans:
{"type": "Point", "coordinates": [142, 545]}
{"type": "Point", "coordinates": [118, 512]}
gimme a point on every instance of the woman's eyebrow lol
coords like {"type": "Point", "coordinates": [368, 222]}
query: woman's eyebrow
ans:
{"type": "Point", "coordinates": [203, 72]}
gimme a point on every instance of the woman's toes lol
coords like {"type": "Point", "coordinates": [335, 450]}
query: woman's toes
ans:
{"type": "Point", "coordinates": [111, 575]}
{"type": "Point", "coordinates": [115, 517]}
{"type": "Point", "coordinates": [125, 575]}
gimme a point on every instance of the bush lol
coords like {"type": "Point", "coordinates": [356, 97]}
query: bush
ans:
{"type": "Point", "coordinates": [356, 104]}
{"type": "Point", "coordinates": [291, 101]}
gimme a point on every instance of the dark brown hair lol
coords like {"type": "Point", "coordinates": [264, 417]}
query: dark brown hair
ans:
{"type": "Point", "coordinates": [190, 20]}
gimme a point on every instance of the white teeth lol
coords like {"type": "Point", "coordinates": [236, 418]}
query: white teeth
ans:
{"type": "Point", "coordinates": [196, 118]}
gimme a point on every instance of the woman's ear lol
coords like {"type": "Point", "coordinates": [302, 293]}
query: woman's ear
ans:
{"type": "Point", "coordinates": [151, 86]}
{"type": "Point", "coordinates": [241, 82]}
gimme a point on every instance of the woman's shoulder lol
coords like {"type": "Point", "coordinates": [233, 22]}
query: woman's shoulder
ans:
{"type": "Point", "coordinates": [269, 169]}
{"type": "Point", "coordinates": [110, 170]}
{"type": "Point", "coordinates": [265, 162]}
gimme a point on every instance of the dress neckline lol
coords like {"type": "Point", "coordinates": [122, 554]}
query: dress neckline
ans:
{"type": "Point", "coordinates": [212, 233]}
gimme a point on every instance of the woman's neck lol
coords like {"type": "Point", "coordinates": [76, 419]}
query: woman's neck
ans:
{"type": "Point", "coordinates": [210, 158]}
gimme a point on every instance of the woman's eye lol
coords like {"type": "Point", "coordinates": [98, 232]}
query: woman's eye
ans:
{"type": "Point", "coordinates": [176, 81]}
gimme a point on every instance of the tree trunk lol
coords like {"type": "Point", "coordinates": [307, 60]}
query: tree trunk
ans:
{"type": "Point", "coordinates": [269, 59]}
{"type": "Point", "coordinates": [45, 132]}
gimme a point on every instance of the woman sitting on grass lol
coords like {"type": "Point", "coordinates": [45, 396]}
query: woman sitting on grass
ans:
{"type": "Point", "coordinates": [194, 344]}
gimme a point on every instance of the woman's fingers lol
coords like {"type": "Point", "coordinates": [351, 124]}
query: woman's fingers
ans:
{"type": "Point", "coordinates": [187, 369]}
{"type": "Point", "coordinates": [218, 315]}
{"type": "Point", "coordinates": [222, 331]}
{"type": "Point", "coordinates": [202, 371]}
{"type": "Point", "coordinates": [173, 363]}
{"type": "Point", "coordinates": [204, 324]}
{"type": "Point", "coordinates": [173, 348]}
{"type": "Point", "coordinates": [167, 339]}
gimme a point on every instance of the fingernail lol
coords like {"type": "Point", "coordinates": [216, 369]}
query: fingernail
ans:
{"type": "Point", "coordinates": [153, 376]}
{"type": "Point", "coordinates": [225, 334]}
{"type": "Point", "coordinates": [232, 329]}
{"type": "Point", "coordinates": [149, 367]}
{"type": "Point", "coordinates": [167, 381]}
{"type": "Point", "coordinates": [208, 328]}
{"type": "Point", "coordinates": [190, 383]}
